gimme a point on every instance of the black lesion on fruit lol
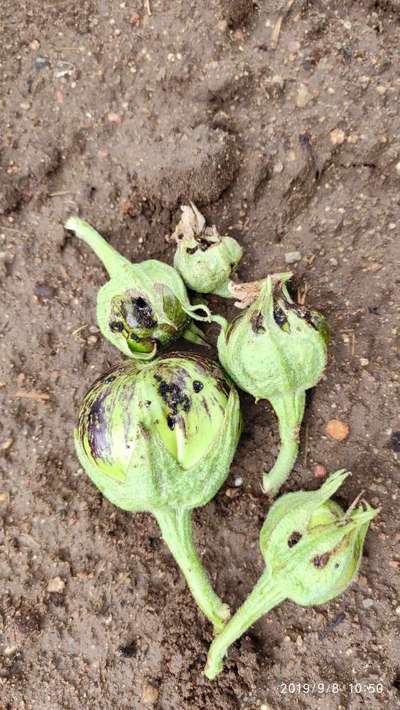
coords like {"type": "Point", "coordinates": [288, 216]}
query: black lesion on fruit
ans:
{"type": "Point", "coordinates": [97, 427]}
{"type": "Point", "coordinates": [116, 326]}
{"type": "Point", "coordinates": [257, 321]}
{"type": "Point", "coordinates": [174, 397]}
{"type": "Point", "coordinates": [109, 379]}
{"type": "Point", "coordinates": [320, 561]}
{"type": "Point", "coordinates": [144, 313]}
{"type": "Point", "coordinates": [191, 250]}
{"type": "Point", "coordinates": [294, 538]}
{"type": "Point", "coordinates": [279, 316]}
{"type": "Point", "coordinates": [171, 422]}
{"type": "Point", "coordinates": [197, 386]}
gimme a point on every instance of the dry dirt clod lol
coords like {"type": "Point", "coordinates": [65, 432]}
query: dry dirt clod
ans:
{"type": "Point", "coordinates": [149, 693]}
{"type": "Point", "coordinates": [5, 445]}
{"type": "Point", "coordinates": [303, 97]}
{"type": "Point", "coordinates": [337, 429]}
{"type": "Point", "coordinates": [56, 585]}
{"type": "Point", "coordinates": [292, 257]}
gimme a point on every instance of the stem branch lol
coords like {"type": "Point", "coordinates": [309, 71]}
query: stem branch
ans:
{"type": "Point", "coordinates": [176, 529]}
{"type": "Point", "coordinates": [289, 409]}
{"type": "Point", "coordinates": [264, 596]}
{"type": "Point", "coordinates": [110, 258]}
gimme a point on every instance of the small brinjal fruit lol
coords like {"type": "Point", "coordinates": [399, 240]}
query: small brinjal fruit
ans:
{"type": "Point", "coordinates": [160, 437]}
{"type": "Point", "coordinates": [276, 350]}
{"type": "Point", "coordinates": [143, 306]}
{"type": "Point", "coordinates": [205, 259]}
{"type": "Point", "coordinates": [312, 551]}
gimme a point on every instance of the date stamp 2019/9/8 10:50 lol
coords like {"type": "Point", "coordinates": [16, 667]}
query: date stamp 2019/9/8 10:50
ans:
{"type": "Point", "coordinates": [321, 688]}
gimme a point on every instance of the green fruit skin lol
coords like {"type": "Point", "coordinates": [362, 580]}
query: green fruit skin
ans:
{"type": "Point", "coordinates": [143, 306]}
{"type": "Point", "coordinates": [207, 264]}
{"type": "Point", "coordinates": [162, 289]}
{"type": "Point", "coordinates": [310, 546]}
{"type": "Point", "coordinates": [312, 552]}
{"type": "Point", "coordinates": [125, 442]}
{"type": "Point", "coordinates": [270, 360]}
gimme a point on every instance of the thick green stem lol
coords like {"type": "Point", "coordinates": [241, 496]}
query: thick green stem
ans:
{"type": "Point", "coordinates": [110, 258]}
{"type": "Point", "coordinates": [176, 529]}
{"type": "Point", "coordinates": [223, 290]}
{"type": "Point", "coordinates": [289, 409]}
{"type": "Point", "coordinates": [264, 596]}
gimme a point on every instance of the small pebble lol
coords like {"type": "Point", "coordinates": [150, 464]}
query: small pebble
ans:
{"type": "Point", "coordinates": [398, 168]}
{"type": "Point", "coordinates": [231, 492]}
{"type": "Point", "coordinates": [92, 339]}
{"type": "Point", "coordinates": [364, 361]}
{"type": "Point", "coordinates": [303, 97]}
{"type": "Point", "coordinates": [116, 118]}
{"type": "Point", "coordinates": [5, 445]}
{"type": "Point", "coordinates": [319, 471]}
{"type": "Point", "coordinates": [35, 44]}
{"type": "Point", "coordinates": [278, 167]}
{"type": "Point", "coordinates": [135, 20]}
{"type": "Point", "coordinates": [40, 63]}
{"type": "Point", "coordinates": [238, 482]}
{"type": "Point", "coordinates": [56, 585]}
{"type": "Point", "coordinates": [10, 650]}
{"type": "Point", "coordinates": [149, 693]}
{"type": "Point", "coordinates": [337, 429]}
{"type": "Point", "coordinates": [337, 136]}
{"type": "Point", "coordinates": [367, 603]}
{"type": "Point", "coordinates": [292, 256]}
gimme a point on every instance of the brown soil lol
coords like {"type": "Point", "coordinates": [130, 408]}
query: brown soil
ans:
{"type": "Point", "coordinates": [119, 116]}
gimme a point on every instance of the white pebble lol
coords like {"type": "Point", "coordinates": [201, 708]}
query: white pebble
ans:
{"type": "Point", "coordinates": [292, 256]}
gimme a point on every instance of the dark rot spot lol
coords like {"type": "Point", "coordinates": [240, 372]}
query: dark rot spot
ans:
{"type": "Point", "coordinates": [191, 250]}
{"type": "Point", "coordinates": [294, 538]}
{"type": "Point", "coordinates": [257, 323]}
{"type": "Point", "coordinates": [97, 428]}
{"type": "Point", "coordinates": [174, 397]}
{"type": "Point", "coordinates": [197, 386]}
{"type": "Point", "coordinates": [128, 651]}
{"type": "Point", "coordinates": [279, 316]}
{"type": "Point", "coordinates": [116, 326]}
{"type": "Point", "coordinates": [320, 561]}
{"type": "Point", "coordinates": [143, 313]}
{"type": "Point", "coordinates": [171, 422]}
{"type": "Point", "coordinates": [108, 380]}
{"type": "Point", "coordinates": [395, 441]}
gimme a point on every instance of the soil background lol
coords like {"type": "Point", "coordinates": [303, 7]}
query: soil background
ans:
{"type": "Point", "coordinates": [120, 116]}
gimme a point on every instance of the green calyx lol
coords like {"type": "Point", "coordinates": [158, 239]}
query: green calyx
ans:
{"type": "Point", "coordinates": [312, 551]}
{"type": "Point", "coordinates": [205, 259]}
{"type": "Point", "coordinates": [143, 306]}
{"type": "Point", "coordinates": [160, 437]}
{"type": "Point", "coordinates": [276, 350]}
